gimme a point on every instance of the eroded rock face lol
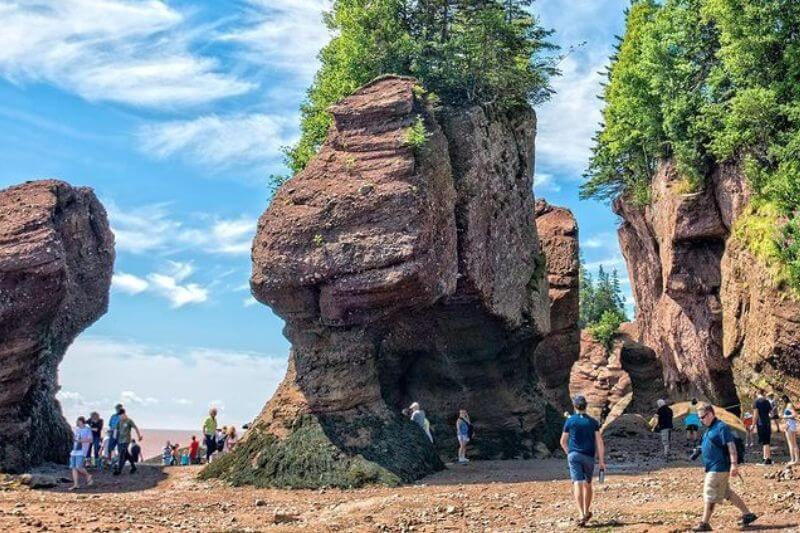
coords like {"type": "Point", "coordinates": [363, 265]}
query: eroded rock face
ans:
{"type": "Point", "coordinates": [555, 355]}
{"type": "Point", "coordinates": [404, 274]}
{"type": "Point", "coordinates": [673, 248]}
{"type": "Point", "coordinates": [56, 261]}
{"type": "Point", "coordinates": [627, 378]}
{"type": "Point", "coordinates": [705, 304]}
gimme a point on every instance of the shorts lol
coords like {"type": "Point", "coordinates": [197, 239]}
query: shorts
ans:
{"type": "Point", "coordinates": [691, 427]}
{"type": "Point", "coordinates": [581, 467]}
{"type": "Point", "coordinates": [764, 434]}
{"type": "Point", "coordinates": [463, 439]}
{"type": "Point", "coordinates": [665, 433]}
{"type": "Point", "coordinates": [76, 461]}
{"type": "Point", "coordinates": [791, 425]}
{"type": "Point", "coordinates": [715, 487]}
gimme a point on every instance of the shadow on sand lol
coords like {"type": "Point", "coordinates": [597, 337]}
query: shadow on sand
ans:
{"type": "Point", "coordinates": [145, 477]}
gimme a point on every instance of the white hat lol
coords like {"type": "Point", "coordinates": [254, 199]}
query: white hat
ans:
{"type": "Point", "coordinates": [661, 403]}
{"type": "Point", "coordinates": [414, 406]}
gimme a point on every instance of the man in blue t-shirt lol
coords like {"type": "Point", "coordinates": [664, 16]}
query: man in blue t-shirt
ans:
{"type": "Point", "coordinates": [720, 460]}
{"type": "Point", "coordinates": [761, 424]}
{"type": "Point", "coordinates": [581, 441]}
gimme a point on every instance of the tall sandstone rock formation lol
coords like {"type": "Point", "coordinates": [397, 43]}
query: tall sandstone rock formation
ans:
{"type": "Point", "coordinates": [405, 272]}
{"type": "Point", "coordinates": [704, 304]}
{"type": "Point", "coordinates": [554, 356]}
{"type": "Point", "coordinates": [56, 260]}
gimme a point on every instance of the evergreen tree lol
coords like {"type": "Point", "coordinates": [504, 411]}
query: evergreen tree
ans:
{"type": "Point", "coordinates": [599, 298]}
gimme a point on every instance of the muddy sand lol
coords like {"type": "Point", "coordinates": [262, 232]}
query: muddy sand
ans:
{"type": "Point", "coordinates": [643, 494]}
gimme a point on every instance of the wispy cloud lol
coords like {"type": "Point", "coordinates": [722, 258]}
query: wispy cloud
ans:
{"type": "Point", "coordinates": [128, 283]}
{"type": "Point", "coordinates": [132, 52]}
{"type": "Point", "coordinates": [600, 241]}
{"type": "Point", "coordinates": [216, 140]}
{"type": "Point", "coordinates": [153, 377]}
{"type": "Point", "coordinates": [544, 183]}
{"type": "Point", "coordinates": [152, 228]}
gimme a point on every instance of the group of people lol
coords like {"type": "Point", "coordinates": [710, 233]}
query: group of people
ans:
{"type": "Point", "coordinates": [217, 440]}
{"type": "Point", "coordinates": [582, 441]}
{"type": "Point", "coordinates": [90, 447]}
{"type": "Point", "coordinates": [766, 412]}
{"type": "Point", "coordinates": [464, 428]}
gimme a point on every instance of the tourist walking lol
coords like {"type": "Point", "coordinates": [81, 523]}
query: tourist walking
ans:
{"type": "Point", "coordinates": [419, 418]}
{"type": "Point", "coordinates": [95, 423]}
{"type": "Point", "coordinates": [194, 448]}
{"type": "Point", "coordinates": [105, 450]}
{"type": "Point", "coordinates": [464, 434]}
{"type": "Point", "coordinates": [113, 425]}
{"type": "Point", "coordinates": [692, 423]}
{"type": "Point", "coordinates": [664, 425]}
{"type": "Point", "coordinates": [166, 454]}
{"type": "Point", "coordinates": [790, 425]}
{"type": "Point", "coordinates": [81, 439]}
{"type": "Point", "coordinates": [747, 421]}
{"type": "Point", "coordinates": [762, 409]}
{"type": "Point", "coordinates": [209, 433]}
{"type": "Point", "coordinates": [720, 459]}
{"type": "Point", "coordinates": [582, 441]}
{"type": "Point", "coordinates": [230, 439]}
{"type": "Point", "coordinates": [124, 430]}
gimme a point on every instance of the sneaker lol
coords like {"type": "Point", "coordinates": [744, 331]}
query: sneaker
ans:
{"type": "Point", "coordinates": [702, 526]}
{"type": "Point", "coordinates": [747, 519]}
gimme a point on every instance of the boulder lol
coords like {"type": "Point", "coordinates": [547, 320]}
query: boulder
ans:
{"type": "Point", "coordinates": [625, 378]}
{"type": "Point", "coordinates": [555, 355]}
{"type": "Point", "coordinates": [405, 271]}
{"type": "Point", "coordinates": [56, 261]}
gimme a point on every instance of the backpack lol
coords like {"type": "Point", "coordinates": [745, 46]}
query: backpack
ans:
{"type": "Point", "coordinates": [221, 444]}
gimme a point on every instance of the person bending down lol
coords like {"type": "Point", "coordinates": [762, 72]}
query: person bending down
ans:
{"type": "Point", "coordinates": [581, 441]}
{"type": "Point", "coordinates": [720, 459]}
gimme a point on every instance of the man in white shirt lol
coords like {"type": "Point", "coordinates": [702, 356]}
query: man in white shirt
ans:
{"type": "Point", "coordinates": [82, 437]}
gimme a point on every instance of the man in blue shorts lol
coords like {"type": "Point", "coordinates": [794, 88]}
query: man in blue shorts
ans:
{"type": "Point", "coordinates": [582, 441]}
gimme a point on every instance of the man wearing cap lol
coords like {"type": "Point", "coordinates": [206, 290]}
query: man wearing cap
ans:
{"type": "Point", "coordinates": [581, 441]}
{"type": "Point", "coordinates": [720, 459]}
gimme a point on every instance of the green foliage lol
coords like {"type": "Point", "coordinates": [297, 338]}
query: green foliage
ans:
{"type": "Point", "coordinates": [466, 51]}
{"type": "Point", "coordinates": [606, 328]}
{"type": "Point", "coordinates": [704, 82]}
{"type": "Point", "coordinates": [417, 135]}
{"type": "Point", "coordinates": [598, 298]}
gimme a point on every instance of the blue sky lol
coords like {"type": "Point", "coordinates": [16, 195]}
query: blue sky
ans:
{"type": "Point", "coordinates": [174, 112]}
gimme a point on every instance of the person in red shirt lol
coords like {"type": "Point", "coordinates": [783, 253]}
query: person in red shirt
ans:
{"type": "Point", "coordinates": [194, 447]}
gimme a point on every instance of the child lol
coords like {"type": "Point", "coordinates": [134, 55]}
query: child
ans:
{"type": "Point", "coordinates": [747, 420]}
{"type": "Point", "coordinates": [166, 454]}
{"type": "Point", "coordinates": [135, 453]}
{"type": "Point", "coordinates": [82, 437]}
{"type": "Point", "coordinates": [185, 459]}
{"type": "Point", "coordinates": [105, 451]}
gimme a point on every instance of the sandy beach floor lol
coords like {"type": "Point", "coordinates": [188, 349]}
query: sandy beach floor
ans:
{"type": "Point", "coordinates": [502, 496]}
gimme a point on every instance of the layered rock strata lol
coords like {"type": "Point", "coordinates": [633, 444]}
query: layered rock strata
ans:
{"type": "Point", "coordinates": [56, 260]}
{"type": "Point", "coordinates": [406, 271]}
{"type": "Point", "coordinates": [555, 355]}
{"type": "Point", "coordinates": [623, 378]}
{"type": "Point", "coordinates": [709, 309]}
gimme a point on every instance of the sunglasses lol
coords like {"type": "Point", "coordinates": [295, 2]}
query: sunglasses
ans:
{"type": "Point", "coordinates": [705, 415]}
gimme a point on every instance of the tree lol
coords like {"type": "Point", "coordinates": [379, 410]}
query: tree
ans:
{"type": "Point", "coordinates": [487, 52]}
{"type": "Point", "coordinates": [597, 299]}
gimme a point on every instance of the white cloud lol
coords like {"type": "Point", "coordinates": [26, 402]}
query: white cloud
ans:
{"type": "Point", "coordinates": [128, 283]}
{"type": "Point", "coordinates": [544, 183]}
{"type": "Point", "coordinates": [601, 240]}
{"type": "Point", "coordinates": [133, 52]}
{"type": "Point", "coordinates": [151, 228]}
{"type": "Point", "coordinates": [249, 301]}
{"type": "Point", "coordinates": [240, 381]}
{"type": "Point", "coordinates": [218, 141]}
{"type": "Point", "coordinates": [168, 285]}
{"type": "Point", "coordinates": [284, 34]}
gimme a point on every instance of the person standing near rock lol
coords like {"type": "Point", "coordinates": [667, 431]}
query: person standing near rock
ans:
{"type": "Point", "coordinates": [125, 427]}
{"type": "Point", "coordinates": [96, 425]}
{"type": "Point", "coordinates": [82, 438]}
{"type": "Point", "coordinates": [692, 423]}
{"type": "Point", "coordinates": [790, 421]}
{"type": "Point", "coordinates": [210, 432]}
{"type": "Point", "coordinates": [194, 448]}
{"type": "Point", "coordinates": [720, 459]}
{"type": "Point", "coordinates": [664, 426]}
{"type": "Point", "coordinates": [113, 424]}
{"type": "Point", "coordinates": [419, 418]}
{"type": "Point", "coordinates": [762, 409]}
{"type": "Point", "coordinates": [582, 441]}
{"type": "Point", "coordinates": [464, 434]}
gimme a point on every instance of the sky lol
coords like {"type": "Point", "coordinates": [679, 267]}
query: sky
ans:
{"type": "Point", "coordinates": [174, 112]}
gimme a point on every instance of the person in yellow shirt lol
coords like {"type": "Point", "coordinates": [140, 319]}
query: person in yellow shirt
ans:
{"type": "Point", "coordinates": [209, 430]}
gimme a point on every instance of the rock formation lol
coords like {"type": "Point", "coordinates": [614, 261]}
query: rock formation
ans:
{"type": "Point", "coordinates": [625, 378]}
{"type": "Point", "coordinates": [707, 307]}
{"type": "Point", "coordinates": [56, 260]}
{"type": "Point", "coordinates": [554, 356]}
{"type": "Point", "coordinates": [406, 271]}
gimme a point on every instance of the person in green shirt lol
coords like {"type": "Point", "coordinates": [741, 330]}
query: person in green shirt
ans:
{"type": "Point", "coordinates": [124, 429]}
{"type": "Point", "coordinates": [209, 430]}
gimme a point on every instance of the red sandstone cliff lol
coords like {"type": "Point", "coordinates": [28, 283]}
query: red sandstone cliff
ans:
{"type": "Point", "coordinates": [56, 260]}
